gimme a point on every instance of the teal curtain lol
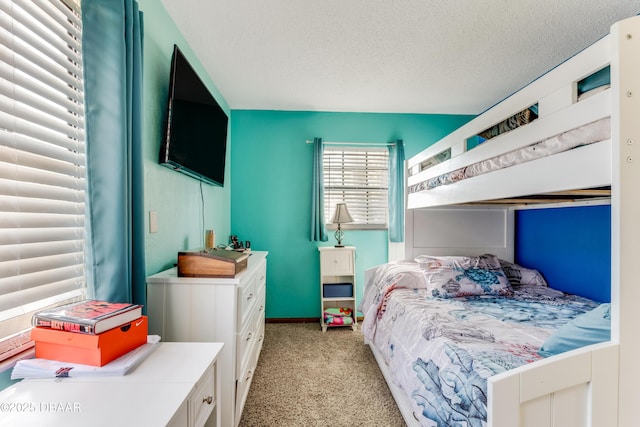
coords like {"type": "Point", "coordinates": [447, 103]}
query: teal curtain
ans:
{"type": "Point", "coordinates": [318, 227]}
{"type": "Point", "coordinates": [112, 50]}
{"type": "Point", "coordinates": [396, 191]}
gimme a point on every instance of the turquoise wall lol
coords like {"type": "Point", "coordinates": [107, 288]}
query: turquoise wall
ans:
{"type": "Point", "coordinates": [177, 199]}
{"type": "Point", "coordinates": [271, 198]}
{"type": "Point", "coordinates": [269, 167]}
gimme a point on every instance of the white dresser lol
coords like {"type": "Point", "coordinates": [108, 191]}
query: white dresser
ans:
{"type": "Point", "coordinates": [165, 390]}
{"type": "Point", "coordinates": [228, 310]}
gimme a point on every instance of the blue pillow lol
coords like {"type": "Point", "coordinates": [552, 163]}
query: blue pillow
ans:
{"type": "Point", "coordinates": [588, 328]}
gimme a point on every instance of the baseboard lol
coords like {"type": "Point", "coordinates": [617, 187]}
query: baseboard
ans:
{"type": "Point", "coordinates": [292, 320]}
{"type": "Point", "coordinates": [298, 319]}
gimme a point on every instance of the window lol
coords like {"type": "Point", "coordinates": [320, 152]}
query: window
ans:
{"type": "Point", "coordinates": [42, 163]}
{"type": "Point", "coordinates": [359, 177]}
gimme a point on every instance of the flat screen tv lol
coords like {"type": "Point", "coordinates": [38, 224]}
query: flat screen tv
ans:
{"type": "Point", "coordinates": [195, 137]}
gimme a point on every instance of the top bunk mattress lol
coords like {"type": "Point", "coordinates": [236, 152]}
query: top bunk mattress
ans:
{"type": "Point", "coordinates": [590, 133]}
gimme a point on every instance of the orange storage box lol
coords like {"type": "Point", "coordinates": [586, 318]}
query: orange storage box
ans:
{"type": "Point", "coordinates": [88, 349]}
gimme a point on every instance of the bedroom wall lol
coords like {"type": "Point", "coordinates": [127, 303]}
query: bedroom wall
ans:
{"type": "Point", "coordinates": [177, 199]}
{"type": "Point", "coordinates": [271, 168]}
{"type": "Point", "coordinates": [266, 140]}
{"type": "Point", "coordinates": [270, 202]}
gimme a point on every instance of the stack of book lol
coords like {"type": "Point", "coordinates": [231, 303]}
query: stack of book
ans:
{"type": "Point", "coordinates": [89, 332]}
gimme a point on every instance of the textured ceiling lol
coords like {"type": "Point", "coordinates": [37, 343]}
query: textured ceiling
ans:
{"type": "Point", "coordinates": [406, 56]}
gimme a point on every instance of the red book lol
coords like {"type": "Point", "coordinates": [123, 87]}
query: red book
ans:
{"type": "Point", "coordinates": [88, 316]}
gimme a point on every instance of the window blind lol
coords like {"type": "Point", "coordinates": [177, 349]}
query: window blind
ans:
{"type": "Point", "coordinates": [42, 161]}
{"type": "Point", "coordinates": [359, 177]}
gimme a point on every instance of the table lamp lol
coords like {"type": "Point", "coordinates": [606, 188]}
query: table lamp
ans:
{"type": "Point", "coordinates": [340, 216]}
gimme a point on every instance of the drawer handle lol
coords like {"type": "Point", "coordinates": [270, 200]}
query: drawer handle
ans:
{"type": "Point", "coordinates": [260, 308]}
{"type": "Point", "coordinates": [207, 400]}
{"type": "Point", "coordinates": [249, 374]}
{"type": "Point", "coordinates": [249, 336]}
{"type": "Point", "coordinates": [250, 296]}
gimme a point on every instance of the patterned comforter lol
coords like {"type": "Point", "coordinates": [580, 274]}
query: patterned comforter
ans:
{"type": "Point", "coordinates": [440, 352]}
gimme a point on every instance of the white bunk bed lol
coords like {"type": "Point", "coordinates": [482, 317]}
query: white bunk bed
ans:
{"type": "Point", "coordinates": [591, 386]}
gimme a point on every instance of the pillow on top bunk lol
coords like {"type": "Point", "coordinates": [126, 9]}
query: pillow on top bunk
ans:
{"type": "Point", "coordinates": [458, 276]}
{"type": "Point", "coordinates": [519, 275]}
{"type": "Point", "coordinates": [589, 328]}
{"type": "Point", "coordinates": [521, 118]}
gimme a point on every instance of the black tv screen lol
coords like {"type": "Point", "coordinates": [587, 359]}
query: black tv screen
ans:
{"type": "Point", "coordinates": [195, 139]}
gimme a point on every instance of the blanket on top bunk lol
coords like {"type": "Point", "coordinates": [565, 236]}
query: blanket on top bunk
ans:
{"type": "Point", "coordinates": [597, 131]}
{"type": "Point", "coordinates": [440, 351]}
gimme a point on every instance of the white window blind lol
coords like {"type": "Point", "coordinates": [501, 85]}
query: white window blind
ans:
{"type": "Point", "coordinates": [359, 177]}
{"type": "Point", "coordinates": [42, 162]}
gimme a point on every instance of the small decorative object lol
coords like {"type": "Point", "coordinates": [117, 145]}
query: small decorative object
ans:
{"type": "Point", "coordinates": [210, 239]}
{"type": "Point", "coordinates": [341, 216]}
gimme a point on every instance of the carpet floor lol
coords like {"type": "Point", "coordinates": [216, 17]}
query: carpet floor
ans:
{"type": "Point", "coordinates": [308, 378]}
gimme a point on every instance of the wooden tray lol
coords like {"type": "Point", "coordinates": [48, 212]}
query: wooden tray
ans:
{"type": "Point", "coordinates": [211, 263]}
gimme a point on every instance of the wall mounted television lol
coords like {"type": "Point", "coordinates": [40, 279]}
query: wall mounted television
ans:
{"type": "Point", "coordinates": [195, 134]}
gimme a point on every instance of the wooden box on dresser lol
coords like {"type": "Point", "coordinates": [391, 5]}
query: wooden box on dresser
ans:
{"type": "Point", "coordinates": [228, 310]}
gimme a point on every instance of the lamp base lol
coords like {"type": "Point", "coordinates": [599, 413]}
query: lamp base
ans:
{"type": "Point", "coordinates": [339, 235]}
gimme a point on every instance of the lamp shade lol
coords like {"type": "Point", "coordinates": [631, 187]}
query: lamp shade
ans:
{"type": "Point", "coordinates": [341, 214]}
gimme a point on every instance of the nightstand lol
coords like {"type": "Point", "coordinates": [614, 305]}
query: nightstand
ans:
{"type": "Point", "coordinates": [337, 287]}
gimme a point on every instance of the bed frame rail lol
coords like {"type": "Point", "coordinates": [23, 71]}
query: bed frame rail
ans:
{"type": "Point", "coordinates": [574, 389]}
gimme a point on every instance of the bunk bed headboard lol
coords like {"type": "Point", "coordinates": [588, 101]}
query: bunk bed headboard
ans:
{"type": "Point", "coordinates": [569, 243]}
{"type": "Point", "coordinates": [460, 230]}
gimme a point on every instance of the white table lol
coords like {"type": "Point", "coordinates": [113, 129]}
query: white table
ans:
{"type": "Point", "coordinates": [176, 385]}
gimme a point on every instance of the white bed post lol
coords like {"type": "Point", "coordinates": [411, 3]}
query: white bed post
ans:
{"type": "Point", "coordinates": [625, 247]}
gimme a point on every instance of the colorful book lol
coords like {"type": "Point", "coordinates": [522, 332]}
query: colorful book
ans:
{"type": "Point", "coordinates": [88, 316]}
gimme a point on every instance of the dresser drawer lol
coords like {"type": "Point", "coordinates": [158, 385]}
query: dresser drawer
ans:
{"type": "Point", "coordinates": [250, 337]}
{"type": "Point", "coordinates": [244, 382]}
{"type": "Point", "coordinates": [203, 400]}
{"type": "Point", "coordinates": [248, 294]}
{"type": "Point", "coordinates": [246, 299]}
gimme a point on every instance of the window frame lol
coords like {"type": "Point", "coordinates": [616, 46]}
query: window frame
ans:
{"type": "Point", "coordinates": [378, 165]}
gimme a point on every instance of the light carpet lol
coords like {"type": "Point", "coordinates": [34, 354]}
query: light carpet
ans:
{"type": "Point", "coordinates": [308, 378]}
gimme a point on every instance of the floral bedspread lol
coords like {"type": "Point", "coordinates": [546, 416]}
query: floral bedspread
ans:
{"type": "Point", "coordinates": [440, 352]}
